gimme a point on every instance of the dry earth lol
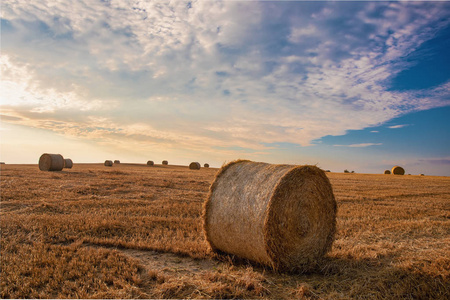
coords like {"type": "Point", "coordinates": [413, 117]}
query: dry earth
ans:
{"type": "Point", "coordinates": [134, 231]}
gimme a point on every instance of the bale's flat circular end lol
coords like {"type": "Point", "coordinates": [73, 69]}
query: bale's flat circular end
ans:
{"type": "Point", "coordinates": [194, 166]}
{"type": "Point", "coordinates": [165, 162]}
{"type": "Point", "coordinates": [206, 165]}
{"type": "Point", "coordinates": [301, 219]}
{"type": "Point", "coordinates": [387, 172]}
{"type": "Point", "coordinates": [397, 170]}
{"type": "Point", "coordinates": [45, 162]}
{"type": "Point", "coordinates": [51, 162]}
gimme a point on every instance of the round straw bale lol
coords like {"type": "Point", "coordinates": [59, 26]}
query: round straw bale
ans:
{"type": "Point", "coordinates": [387, 172]}
{"type": "Point", "coordinates": [165, 162]}
{"type": "Point", "coordinates": [68, 163]}
{"type": "Point", "coordinates": [117, 161]}
{"type": "Point", "coordinates": [150, 163]}
{"type": "Point", "coordinates": [398, 170]}
{"type": "Point", "coordinates": [206, 165]}
{"type": "Point", "coordinates": [194, 166]}
{"type": "Point", "coordinates": [108, 163]}
{"type": "Point", "coordinates": [282, 216]}
{"type": "Point", "coordinates": [51, 162]}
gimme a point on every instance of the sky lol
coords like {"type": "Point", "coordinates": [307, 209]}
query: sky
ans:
{"type": "Point", "coordinates": [361, 85]}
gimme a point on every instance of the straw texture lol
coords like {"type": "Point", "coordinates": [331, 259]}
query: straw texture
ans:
{"type": "Point", "coordinates": [398, 170]}
{"type": "Point", "coordinates": [108, 163]}
{"type": "Point", "coordinates": [194, 166]}
{"type": "Point", "coordinates": [51, 162]}
{"type": "Point", "coordinates": [68, 163]}
{"type": "Point", "coordinates": [282, 216]}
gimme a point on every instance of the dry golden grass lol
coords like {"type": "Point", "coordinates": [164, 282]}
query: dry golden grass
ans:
{"type": "Point", "coordinates": [130, 231]}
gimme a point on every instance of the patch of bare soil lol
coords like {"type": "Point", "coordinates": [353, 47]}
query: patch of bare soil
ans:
{"type": "Point", "coordinates": [170, 263]}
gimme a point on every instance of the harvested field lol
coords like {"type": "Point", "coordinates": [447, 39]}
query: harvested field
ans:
{"type": "Point", "coordinates": [136, 232]}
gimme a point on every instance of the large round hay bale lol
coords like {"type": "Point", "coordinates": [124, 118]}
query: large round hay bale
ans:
{"type": "Point", "coordinates": [387, 172]}
{"type": "Point", "coordinates": [51, 162]}
{"type": "Point", "coordinates": [194, 166]}
{"type": "Point", "coordinates": [398, 170]}
{"type": "Point", "coordinates": [206, 165]}
{"type": "Point", "coordinates": [108, 163]}
{"type": "Point", "coordinates": [150, 163]}
{"type": "Point", "coordinates": [117, 161]}
{"type": "Point", "coordinates": [165, 162]}
{"type": "Point", "coordinates": [68, 163]}
{"type": "Point", "coordinates": [282, 216]}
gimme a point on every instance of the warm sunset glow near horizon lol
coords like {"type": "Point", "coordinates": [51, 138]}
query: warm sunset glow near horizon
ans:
{"type": "Point", "coordinates": [361, 85]}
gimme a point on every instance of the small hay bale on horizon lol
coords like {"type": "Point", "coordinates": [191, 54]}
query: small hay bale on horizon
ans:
{"type": "Point", "coordinates": [108, 163]}
{"type": "Point", "coordinates": [282, 216]}
{"type": "Point", "coordinates": [165, 162]}
{"type": "Point", "coordinates": [150, 163]}
{"type": "Point", "coordinates": [206, 165]}
{"type": "Point", "coordinates": [387, 172]}
{"type": "Point", "coordinates": [117, 161]}
{"type": "Point", "coordinates": [194, 165]}
{"type": "Point", "coordinates": [51, 162]}
{"type": "Point", "coordinates": [68, 163]}
{"type": "Point", "coordinates": [397, 170]}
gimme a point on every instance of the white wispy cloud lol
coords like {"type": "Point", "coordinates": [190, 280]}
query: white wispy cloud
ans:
{"type": "Point", "coordinates": [362, 145]}
{"type": "Point", "coordinates": [398, 126]}
{"type": "Point", "coordinates": [212, 73]}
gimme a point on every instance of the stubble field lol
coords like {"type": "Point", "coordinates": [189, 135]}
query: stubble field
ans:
{"type": "Point", "coordinates": [133, 231]}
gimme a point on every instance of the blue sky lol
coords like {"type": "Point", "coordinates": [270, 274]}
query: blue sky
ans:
{"type": "Point", "coordinates": [359, 85]}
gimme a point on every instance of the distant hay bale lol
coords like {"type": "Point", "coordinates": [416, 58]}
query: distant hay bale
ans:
{"type": "Point", "coordinates": [165, 162]}
{"type": "Point", "coordinates": [68, 163]}
{"type": "Point", "coordinates": [51, 162]}
{"type": "Point", "coordinates": [396, 170]}
{"type": "Point", "coordinates": [282, 216]}
{"type": "Point", "coordinates": [194, 166]}
{"type": "Point", "coordinates": [387, 172]}
{"type": "Point", "coordinates": [108, 163]}
{"type": "Point", "coordinates": [206, 165]}
{"type": "Point", "coordinates": [117, 161]}
{"type": "Point", "coordinates": [422, 174]}
{"type": "Point", "coordinates": [150, 163]}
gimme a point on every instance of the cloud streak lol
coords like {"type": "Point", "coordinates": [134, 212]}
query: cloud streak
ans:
{"type": "Point", "coordinates": [212, 73]}
{"type": "Point", "coordinates": [398, 126]}
{"type": "Point", "coordinates": [362, 145]}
